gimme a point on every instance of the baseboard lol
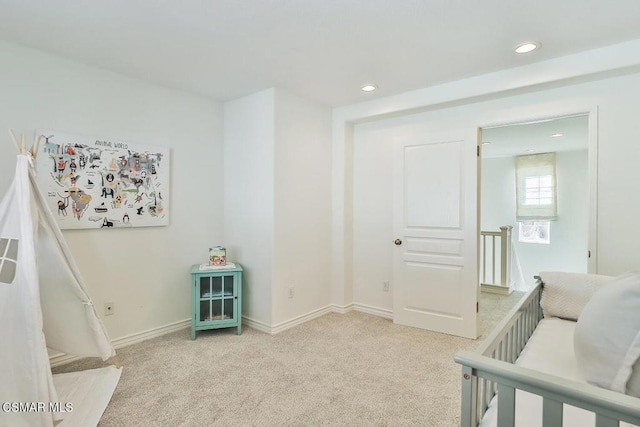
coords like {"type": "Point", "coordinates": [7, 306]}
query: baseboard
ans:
{"type": "Point", "coordinates": [62, 359]}
{"type": "Point", "coordinates": [495, 289]}
{"type": "Point", "coordinates": [332, 308]}
{"type": "Point", "coordinates": [256, 324]}
{"type": "Point", "coordinates": [150, 333]}
{"type": "Point", "coordinates": [283, 326]}
{"type": "Point", "coordinates": [380, 312]}
{"type": "Point", "coordinates": [272, 330]}
{"type": "Point", "coordinates": [342, 309]}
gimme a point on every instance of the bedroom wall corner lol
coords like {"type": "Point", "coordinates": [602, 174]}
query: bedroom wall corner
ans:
{"type": "Point", "coordinates": [144, 271]}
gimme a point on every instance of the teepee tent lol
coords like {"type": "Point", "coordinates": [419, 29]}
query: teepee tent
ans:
{"type": "Point", "coordinates": [43, 303]}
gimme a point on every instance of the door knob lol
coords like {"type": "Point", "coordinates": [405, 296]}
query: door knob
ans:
{"type": "Point", "coordinates": [398, 242]}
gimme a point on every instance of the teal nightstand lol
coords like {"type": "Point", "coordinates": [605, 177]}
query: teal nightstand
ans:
{"type": "Point", "coordinates": [216, 299]}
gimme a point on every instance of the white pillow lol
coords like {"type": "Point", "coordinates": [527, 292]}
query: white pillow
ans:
{"type": "Point", "coordinates": [607, 336]}
{"type": "Point", "coordinates": [564, 294]}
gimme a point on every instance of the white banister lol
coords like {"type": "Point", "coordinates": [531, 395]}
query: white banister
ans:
{"type": "Point", "coordinates": [501, 284]}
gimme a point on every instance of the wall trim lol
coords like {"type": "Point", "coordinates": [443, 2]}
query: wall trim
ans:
{"type": "Point", "coordinates": [288, 324]}
{"type": "Point", "coordinates": [62, 359]}
{"type": "Point", "coordinates": [151, 333]}
{"type": "Point", "coordinates": [256, 324]}
{"type": "Point", "coordinates": [342, 309]}
{"type": "Point", "coordinates": [376, 311]}
{"type": "Point", "coordinates": [332, 308]}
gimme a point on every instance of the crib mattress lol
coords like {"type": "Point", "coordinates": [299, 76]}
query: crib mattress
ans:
{"type": "Point", "coordinates": [549, 350]}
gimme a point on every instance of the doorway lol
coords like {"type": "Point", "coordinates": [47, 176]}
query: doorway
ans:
{"type": "Point", "coordinates": [435, 230]}
{"type": "Point", "coordinates": [566, 243]}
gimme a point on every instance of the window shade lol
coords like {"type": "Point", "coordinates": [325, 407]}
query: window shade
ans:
{"type": "Point", "coordinates": [536, 187]}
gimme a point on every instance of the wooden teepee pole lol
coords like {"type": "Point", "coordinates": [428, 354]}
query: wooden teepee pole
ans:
{"type": "Point", "coordinates": [22, 146]}
{"type": "Point", "coordinates": [15, 141]}
{"type": "Point", "coordinates": [34, 147]}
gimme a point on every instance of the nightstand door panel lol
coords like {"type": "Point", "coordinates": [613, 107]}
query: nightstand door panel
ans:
{"type": "Point", "coordinates": [229, 311]}
{"type": "Point", "coordinates": [205, 287]}
{"type": "Point", "coordinates": [216, 297]}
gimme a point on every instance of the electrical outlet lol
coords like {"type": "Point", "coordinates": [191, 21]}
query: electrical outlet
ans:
{"type": "Point", "coordinates": [109, 308]}
{"type": "Point", "coordinates": [290, 291]}
{"type": "Point", "coordinates": [385, 286]}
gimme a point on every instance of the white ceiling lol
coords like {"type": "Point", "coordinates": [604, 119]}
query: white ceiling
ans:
{"type": "Point", "coordinates": [536, 137]}
{"type": "Point", "coordinates": [321, 49]}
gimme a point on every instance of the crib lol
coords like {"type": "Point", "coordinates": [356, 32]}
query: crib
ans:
{"type": "Point", "coordinates": [495, 388]}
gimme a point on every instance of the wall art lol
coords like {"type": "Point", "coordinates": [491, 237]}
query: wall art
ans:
{"type": "Point", "coordinates": [102, 183]}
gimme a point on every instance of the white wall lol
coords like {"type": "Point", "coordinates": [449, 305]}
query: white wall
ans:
{"type": "Point", "coordinates": [144, 271]}
{"type": "Point", "coordinates": [249, 144]}
{"type": "Point", "coordinates": [617, 100]}
{"type": "Point", "coordinates": [302, 207]}
{"type": "Point", "coordinates": [567, 250]}
{"type": "Point", "coordinates": [278, 203]}
{"type": "Point", "coordinates": [372, 218]}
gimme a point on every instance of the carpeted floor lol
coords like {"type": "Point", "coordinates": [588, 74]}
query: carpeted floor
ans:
{"type": "Point", "coordinates": [349, 369]}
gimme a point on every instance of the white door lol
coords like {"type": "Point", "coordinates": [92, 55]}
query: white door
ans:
{"type": "Point", "coordinates": [436, 230]}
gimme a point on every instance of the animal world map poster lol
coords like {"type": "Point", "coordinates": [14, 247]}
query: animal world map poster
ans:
{"type": "Point", "coordinates": [101, 183]}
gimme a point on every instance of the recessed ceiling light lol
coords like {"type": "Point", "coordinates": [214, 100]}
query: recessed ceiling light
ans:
{"type": "Point", "coordinates": [486, 142]}
{"type": "Point", "coordinates": [527, 47]}
{"type": "Point", "coordinates": [556, 135]}
{"type": "Point", "coordinates": [368, 88]}
{"type": "Point", "coordinates": [530, 150]}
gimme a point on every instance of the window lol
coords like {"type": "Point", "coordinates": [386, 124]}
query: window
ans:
{"type": "Point", "coordinates": [538, 190]}
{"type": "Point", "coordinates": [534, 232]}
{"type": "Point", "coordinates": [536, 187]}
{"type": "Point", "coordinates": [8, 258]}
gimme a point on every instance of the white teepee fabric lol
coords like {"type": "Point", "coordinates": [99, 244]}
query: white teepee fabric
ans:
{"type": "Point", "coordinates": [43, 303]}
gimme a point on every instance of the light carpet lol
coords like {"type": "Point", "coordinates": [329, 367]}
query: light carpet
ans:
{"type": "Point", "coordinates": [349, 369]}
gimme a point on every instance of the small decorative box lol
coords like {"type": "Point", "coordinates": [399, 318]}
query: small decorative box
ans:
{"type": "Point", "coordinates": [217, 255]}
